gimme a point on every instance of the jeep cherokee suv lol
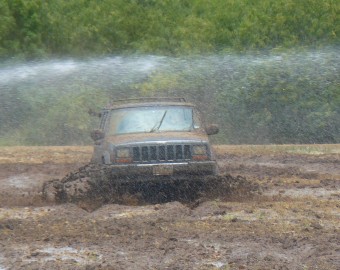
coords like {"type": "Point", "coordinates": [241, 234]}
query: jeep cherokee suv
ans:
{"type": "Point", "coordinates": [154, 139]}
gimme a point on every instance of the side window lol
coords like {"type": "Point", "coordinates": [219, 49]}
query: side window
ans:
{"type": "Point", "coordinates": [197, 119]}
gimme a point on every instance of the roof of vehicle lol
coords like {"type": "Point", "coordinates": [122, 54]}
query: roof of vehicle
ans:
{"type": "Point", "coordinates": [144, 102]}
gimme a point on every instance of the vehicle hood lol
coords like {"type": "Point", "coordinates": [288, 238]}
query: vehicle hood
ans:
{"type": "Point", "coordinates": [157, 137]}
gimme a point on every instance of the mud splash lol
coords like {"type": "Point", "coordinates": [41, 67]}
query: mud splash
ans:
{"type": "Point", "coordinates": [93, 185]}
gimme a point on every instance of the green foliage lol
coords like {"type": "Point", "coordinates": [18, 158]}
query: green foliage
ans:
{"type": "Point", "coordinates": [23, 32]}
{"type": "Point", "coordinates": [286, 105]}
{"type": "Point", "coordinates": [6, 26]}
{"type": "Point", "coordinates": [66, 121]}
{"type": "Point", "coordinates": [293, 101]}
{"type": "Point", "coordinates": [50, 117]}
{"type": "Point", "coordinates": [172, 27]}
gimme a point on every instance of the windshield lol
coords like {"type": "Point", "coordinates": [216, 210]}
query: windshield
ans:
{"type": "Point", "coordinates": [152, 119]}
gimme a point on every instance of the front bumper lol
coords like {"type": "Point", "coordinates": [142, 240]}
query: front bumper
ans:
{"type": "Point", "coordinates": [163, 171]}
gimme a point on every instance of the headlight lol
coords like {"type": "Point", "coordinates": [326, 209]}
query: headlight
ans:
{"type": "Point", "coordinates": [199, 150]}
{"type": "Point", "coordinates": [123, 153]}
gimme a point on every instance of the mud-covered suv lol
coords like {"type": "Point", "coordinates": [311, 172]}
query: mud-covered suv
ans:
{"type": "Point", "coordinates": [154, 139]}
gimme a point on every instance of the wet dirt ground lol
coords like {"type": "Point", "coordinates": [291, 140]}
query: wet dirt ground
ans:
{"type": "Point", "coordinates": [291, 222]}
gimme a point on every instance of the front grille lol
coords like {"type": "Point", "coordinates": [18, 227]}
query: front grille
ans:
{"type": "Point", "coordinates": [162, 153]}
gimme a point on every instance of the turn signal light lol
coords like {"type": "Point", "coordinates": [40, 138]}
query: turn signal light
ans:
{"type": "Point", "coordinates": [123, 160]}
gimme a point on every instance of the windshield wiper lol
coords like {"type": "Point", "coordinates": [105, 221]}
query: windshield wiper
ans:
{"type": "Point", "coordinates": [159, 124]}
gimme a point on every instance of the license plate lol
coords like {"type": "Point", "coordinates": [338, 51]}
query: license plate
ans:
{"type": "Point", "coordinates": [163, 170]}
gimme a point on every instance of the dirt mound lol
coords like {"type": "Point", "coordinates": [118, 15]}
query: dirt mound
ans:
{"type": "Point", "coordinates": [94, 185]}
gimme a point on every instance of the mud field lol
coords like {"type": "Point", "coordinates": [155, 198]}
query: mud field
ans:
{"type": "Point", "coordinates": [292, 220]}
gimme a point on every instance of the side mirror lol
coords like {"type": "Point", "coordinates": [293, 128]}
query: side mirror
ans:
{"type": "Point", "coordinates": [212, 129]}
{"type": "Point", "coordinates": [97, 134]}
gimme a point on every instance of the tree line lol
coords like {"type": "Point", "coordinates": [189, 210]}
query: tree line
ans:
{"type": "Point", "coordinates": [40, 28]}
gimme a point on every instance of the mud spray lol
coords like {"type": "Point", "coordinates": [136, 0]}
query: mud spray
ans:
{"type": "Point", "coordinates": [108, 72]}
